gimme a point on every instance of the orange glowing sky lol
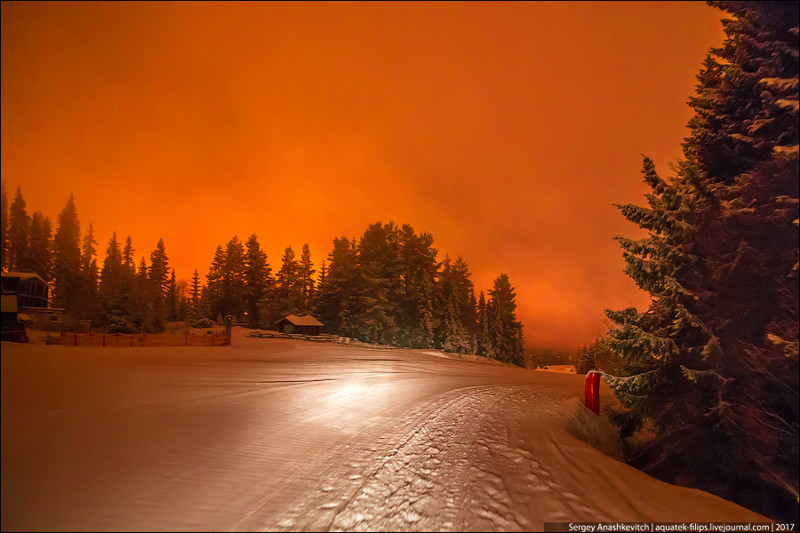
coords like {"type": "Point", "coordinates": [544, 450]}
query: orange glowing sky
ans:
{"type": "Point", "coordinates": [507, 130]}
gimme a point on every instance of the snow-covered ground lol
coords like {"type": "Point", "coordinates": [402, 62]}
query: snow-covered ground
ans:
{"type": "Point", "coordinates": [273, 434]}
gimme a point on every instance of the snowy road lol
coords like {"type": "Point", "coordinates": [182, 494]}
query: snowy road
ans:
{"type": "Point", "coordinates": [290, 435]}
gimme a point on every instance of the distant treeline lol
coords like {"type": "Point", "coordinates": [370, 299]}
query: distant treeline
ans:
{"type": "Point", "coordinates": [387, 287]}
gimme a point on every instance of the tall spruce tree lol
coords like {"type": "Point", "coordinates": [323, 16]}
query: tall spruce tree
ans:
{"type": "Point", "coordinates": [111, 278]}
{"type": "Point", "coordinates": [443, 289]}
{"type": "Point", "coordinates": [378, 284]}
{"type": "Point", "coordinates": [90, 278]}
{"type": "Point", "coordinates": [234, 279]}
{"type": "Point", "coordinates": [40, 256]}
{"type": "Point", "coordinates": [128, 287]}
{"type": "Point", "coordinates": [485, 347]}
{"type": "Point", "coordinates": [464, 293]}
{"type": "Point", "coordinates": [128, 261]}
{"type": "Point", "coordinates": [3, 226]}
{"type": "Point", "coordinates": [455, 284]}
{"type": "Point", "coordinates": [337, 291]}
{"type": "Point", "coordinates": [323, 273]}
{"type": "Point", "coordinates": [418, 271]}
{"type": "Point", "coordinates": [212, 295]}
{"type": "Point", "coordinates": [713, 362]}
{"type": "Point", "coordinates": [67, 258]}
{"type": "Point", "coordinates": [471, 321]}
{"type": "Point", "coordinates": [455, 336]}
{"type": "Point", "coordinates": [182, 309]}
{"type": "Point", "coordinates": [114, 293]}
{"type": "Point", "coordinates": [142, 304]}
{"type": "Point", "coordinates": [196, 307]}
{"type": "Point", "coordinates": [506, 331]}
{"type": "Point", "coordinates": [288, 293]}
{"type": "Point", "coordinates": [18, 234]}
{"type": "Point", "coordinates": [158, 275]}
{"type": "Point", "coordinates": [422, 335]}
{"type": "Point", "coordinates": [172, 298]}
{"type": "Point", "coordinates": [308, 289]}
{"type": "Point", "coordinates": [258, 282]}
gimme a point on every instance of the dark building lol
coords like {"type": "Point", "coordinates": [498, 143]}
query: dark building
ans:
{"type": "Point", "coordinates": [31, 290]}
{"type": "Point", "coordinates": [25, 303]}
{"type": "Point", "coordinates": [304, 324]}
{"type": "Point", "coordinates": [24, 300]}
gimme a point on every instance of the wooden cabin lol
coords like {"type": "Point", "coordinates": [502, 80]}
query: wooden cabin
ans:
{"type": "Point", "coordinates": [302, 324]}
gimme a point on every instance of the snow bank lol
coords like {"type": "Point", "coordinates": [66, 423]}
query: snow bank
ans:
{"type": "Point", "coordinates": [435, 353]}
{"type": "Point", "coordinates": [584, 424]}
{"type": "Point", "coordinates": [594, 486]}
{"type": "Point", "coordinates": [564, 369]}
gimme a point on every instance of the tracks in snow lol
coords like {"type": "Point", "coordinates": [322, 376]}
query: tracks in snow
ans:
{"type": "Point", "coordinates": [464, 461]}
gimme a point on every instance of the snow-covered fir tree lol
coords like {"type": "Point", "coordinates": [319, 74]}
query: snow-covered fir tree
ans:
{"type": "Point", "coordinates": [505, 329]}
{"type": "Point", "coordinates": [18, 231]}
{"type": "Point", "coordinates": [111, 279]}
{"type": "Point", "coordinates": [3, 225]}
{"type": "Point", "coordinates": [288, 293]}
{"type": "Point", "coordinates": [422, 334]}
{"type": "Point", "coordinates": [258, 282]}
{"type": "Point", "coordinates": [337, 292]}
{"type": "Point", "coordinates": [418, 270]}
{"type": "Point", "coordinates": [213, 291]}
{"type": "Point", "coordinates": [484, 347]}
{"type": "Point", "coordinates": [67, 258]}
{"type": "Point", "coordinates": [158, 275]}
{"type": "Point", "coordinates": [455, 336]}
{"type": "Point", "coordinates": [378, 284]}
{"type": "Point", "coordinates": [234, 279]}
{"type": "Point", "coordinates": [172, 298]}
{"type": "Point", "coordinates": [40, 249]}
{"type": "Point", "coordinates": [454, 284]}
{"type": "Point", "coordinates": [713, 363]}
{"type": "Point", "coordinates": [308, 289]}
{"type": "Point", "coordinates": [86, 304]}
{"type": "Point", "coordinates": [196, 311]}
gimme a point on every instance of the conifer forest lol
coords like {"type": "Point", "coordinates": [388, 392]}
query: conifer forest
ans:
{"type": "Point", "coordinates": [388, 287]}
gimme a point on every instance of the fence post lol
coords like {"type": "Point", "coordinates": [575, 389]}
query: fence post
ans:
{"type": "Point", "coordinates": [75, 339]}
{"type": "Point", "coordinates": [592, 392]}
{"type": "Point", "coordinates": [104, 340]}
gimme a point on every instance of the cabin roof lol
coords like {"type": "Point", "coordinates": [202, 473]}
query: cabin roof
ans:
{"type": "Point", "coordinates": [301, 320]}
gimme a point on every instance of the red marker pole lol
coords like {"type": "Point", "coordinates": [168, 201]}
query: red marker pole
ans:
{"type": "Point", "coordinates": [592, 393]}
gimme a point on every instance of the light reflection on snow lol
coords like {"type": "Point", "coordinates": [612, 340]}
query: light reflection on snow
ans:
{"type": "Point", "coordinates": [349, 392]}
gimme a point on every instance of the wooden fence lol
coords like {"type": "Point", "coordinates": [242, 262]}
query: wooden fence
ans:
{"type": "Point", "coordinates": [322, 337]}
{"type": "Point", "coordinates": [134, 340]}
